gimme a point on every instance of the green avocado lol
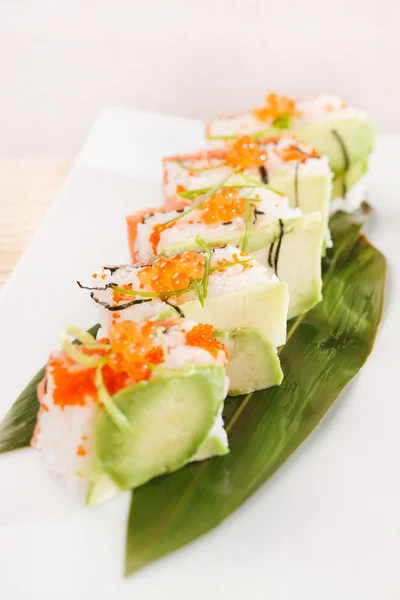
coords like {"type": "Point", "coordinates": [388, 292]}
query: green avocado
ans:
{"type": "Point", "coordinates": [299, 265]}
{"type": "Point", "coordinates": [343, 182]}
{"type": "Point", "coordinates": [101, 487]}
{"type": "Point", "coordinates": [310, 193]}
{"type": "Point", "coordinates": [169, 417]}
{"type": "Point", "coordinates": [357, 136]}
{"type": "Point", "coordinates": [262, 307]}
{"type": "Point", "coordinates": [253, 361]}
{"type": "Point", "coordinates": [216, 442]}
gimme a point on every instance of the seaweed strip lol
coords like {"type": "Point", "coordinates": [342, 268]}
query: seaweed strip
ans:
{"type": "Point", "coordinates": [98, 289]}
{"type": "Point", "coordinates": [178, 310]}
{"type": "Point", "coordinates": [278, 248]}
{"type": "Point", "coordinates": [119, 306]}
{"type": "Point", "coordinates": [264, 174]}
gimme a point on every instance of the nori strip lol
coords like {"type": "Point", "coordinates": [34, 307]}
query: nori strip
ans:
{"type": "Point", "coordinates": [270, 255]}
{"type": "Point", "coordinates": [278, 248]}
{"type": "Point", "coordinates": [256, 213]}
{"type": "Point", "coordinates": [98, 289]}
{"type": "Point", "coordinates": [178, 310]}
{"type": "Point", "coordinates": [119, 306]}
{"type": "Point", "coordinates": [264, 174]}
{"type": "Point", "coordinates": [113, 269]}
{"type": "Point", "coordinates": [273, 259]}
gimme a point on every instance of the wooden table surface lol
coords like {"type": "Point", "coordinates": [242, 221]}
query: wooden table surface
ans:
{"type": "Point", "coordinates": [27, 188]}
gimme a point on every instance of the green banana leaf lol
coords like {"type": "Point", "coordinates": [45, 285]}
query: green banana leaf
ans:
{"type": "Point", "coordinates": [325, 349]}
{"type": "Point", "coordinates": [17, 427]}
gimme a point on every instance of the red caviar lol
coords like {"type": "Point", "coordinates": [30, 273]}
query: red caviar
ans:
{"type": "Point", "coordinates": [224, 206]}
{"type": "Point", "coordinates": [131, 345]}
{"type": "Point", "coordinates": [156, 234]}
{"type": "Point", "coordinates": [201, 335]}
{"type": "Point", "coordinates": [293, 152]}
{"type": "Point", "coordinates": [275, 106]}
{"type": "Point", "coordinates": [132, 353]}
{"type": "Point", "coordinates": [235, 260]}
{"type": "Point", "coordinates": [173, 273]}
{"type": "Point", "coordinates": [245, 153]}
{"type": "Point", "coordinates": [80, 451]}
{"type": "Point", "coordinates": [119, 296]}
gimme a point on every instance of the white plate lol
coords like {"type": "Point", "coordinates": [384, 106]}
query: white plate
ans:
{"type": "Point", "coordinates": [327, 526]}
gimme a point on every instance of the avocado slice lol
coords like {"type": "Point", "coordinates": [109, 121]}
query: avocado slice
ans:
{"type": "Point", "coordinates": [216, 442]}
{"type": "Point", "coordinates": [101, 487]}
{"type": "Point", "coordinates": [253, 361]}
{"type": "Point", "coordinates": [262, 307]}
{"type": "Point", "coordinates": [299, 265]}
{"type": "Point", "coordinates": [170, 416]}
{"type": "Point", "coordinates": [308, 192]}
{"type": "Point", "coordinates": [357, 135]}
{"type": "Point", "coordinates": [344, 182]}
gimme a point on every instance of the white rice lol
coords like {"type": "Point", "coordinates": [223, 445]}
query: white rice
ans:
{"type": "Point", "coordinates": [194, 180]}
{"type": "Point", "coordinates": [325, 108]}
{"type": "Point", "coordinates": [186, 228]}
{"type": "Point", "coordinates": [61, 431]}
{"type": "Point", "coordinates": [314, 110]}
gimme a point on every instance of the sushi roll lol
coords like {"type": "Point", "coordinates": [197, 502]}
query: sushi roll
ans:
{"type": "Point", "coordinates": [119, 411]}
{"type": "Point", "coordinates": [342, 133]}
{"type": "Point", "coordinates": [282, 162]}
{"type": "Point", "coordinates": [257, 219]}
{"type": "Point", "coordinates": [223, 287]}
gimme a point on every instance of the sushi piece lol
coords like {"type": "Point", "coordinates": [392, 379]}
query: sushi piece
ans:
{"type": "Point", "coordinates": [119, 411]}
{"type": "Point", "coordinates": [257, 219]}
{"type": "Point", "coordinates": [224, 287]}
{"type": "Point", "coordinates": [342, 133]}
{"type": "Point", "coordinates": [282, 162]}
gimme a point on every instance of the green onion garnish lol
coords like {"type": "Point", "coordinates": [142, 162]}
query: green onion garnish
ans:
{"type": "Point", "coordinates": [116, 415]}
{"type": "Point", "coordinates": [121, 290]}
{"type": "Point", "coordinates": [230, 264]}
{"type": "Point", "coordinates": [282, 122]}
{"type": "Point", "coordinates": [201, 169]}
{"type": "Point", "coordinates": [198, 288]}
{"type": "Point", "coordinates": [256, 135]}
{"type": "Point", "coordinates": [260, 184]}
{"type": "Point", "coordinates": [77, 355]}
{"type": "Point", "coordinates": [221, 137]}
{"type": "Point", "coordinates": [247, 224]}
{"type": "Point", "coordinates": [207, 267]}
{"type": "Point", "coordinates": [197, 203]}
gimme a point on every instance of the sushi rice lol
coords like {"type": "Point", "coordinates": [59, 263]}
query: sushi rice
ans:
{"type": "Point", "coordinates": [319, 109]}
{"type": "Point", "coordinates": [270, 205]}
{"type": "Point", "coordinates": [202, 170]}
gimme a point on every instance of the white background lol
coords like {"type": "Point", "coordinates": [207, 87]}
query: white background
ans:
{"type": "Point", "coordinates": [61, 60]}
